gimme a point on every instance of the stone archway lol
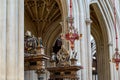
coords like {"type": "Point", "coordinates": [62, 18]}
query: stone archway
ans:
{"type": "Point", "coordinates": [57, 28]}
{"type": "Point", "coordinates": [45, 23]}
{"type": "Point", "coordinates": [35, 19]}
{"type": "Point", "coordinates": [100, 31]}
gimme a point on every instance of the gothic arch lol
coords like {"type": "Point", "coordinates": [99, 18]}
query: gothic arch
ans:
{"type": "Point", "coordinates": [103, 31]}
{"type": "Point", "coordinates": [61, 24]}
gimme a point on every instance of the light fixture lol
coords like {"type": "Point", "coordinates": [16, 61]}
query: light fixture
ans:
{"type": "Point", "coordinates": [65, 65]}
{"type": "Point", "coordinates": [116, 56]}
{"type": "Point", "coordinates": [72, 33]}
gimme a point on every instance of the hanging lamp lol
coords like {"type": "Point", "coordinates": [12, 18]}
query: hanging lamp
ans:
{"type": "Point", "coordinates": [116, 56]}
{"type": "Point", "coordinates": [72, 33]}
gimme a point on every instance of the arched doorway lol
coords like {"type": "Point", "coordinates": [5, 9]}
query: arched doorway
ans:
{"type": "Point", "coordinates": [100, 33]}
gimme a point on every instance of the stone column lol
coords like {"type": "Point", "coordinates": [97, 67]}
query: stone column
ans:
{"type": "Point", "coordinates": [30, 75]}
{"type": "Point", "coordinates": [21, 40]}
{"type": "Point", "coordinates": [106, 62]}
{"type": "Point", "coordinates": [88, 31]}
{"type": "Point", "coordinates": [100, 64]}
{"type": "Point", "coordinates": [112, 66]}
{"type": "Point", "coordinates": [89, 54]}
{"type": "Point", "coordinates": [12, 39]}
{"type": "Point", "coordinates": [103, 62]}
{"type": "Point", "coordinates": [2, 39]}
{"type": "Point", "coordinates": [82, 30]}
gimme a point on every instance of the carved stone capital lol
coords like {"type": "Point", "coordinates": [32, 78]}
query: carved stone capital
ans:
{"type": "Point", "coordinates": [110, 44]}
{"type": "Point", "coordinates": [88, 21]}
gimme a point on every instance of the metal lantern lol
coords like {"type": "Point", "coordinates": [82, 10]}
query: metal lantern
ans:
{"type": "Point", "coordinates": [116, 58]}
{"type": "Point", "coordinates": [72, 35]}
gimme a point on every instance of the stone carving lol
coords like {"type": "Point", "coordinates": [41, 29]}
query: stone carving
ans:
{"type": "Point", "coordinates": [40, 43]}
{"type": "Point", "coordinates": [53, 58]}
{"type": "Point", "coordinates": [74, 55]}
{"type": "Point", "coordinates": [63, 57]}
{"type": "Point", "coordinates": [30, 44]}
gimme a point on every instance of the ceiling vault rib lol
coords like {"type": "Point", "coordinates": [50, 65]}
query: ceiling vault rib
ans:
{"type": "Point", "coordinates": [54, 14]}
{"type": "Point", "coordinates": [36, 9]}
{"type": "Point", "coordinates": [50, 10]}
{"type": "Point", "coordinates": [43, 9]}
{"type": "Point", "coordinates": [43, 14]}
{"type": "Point", "coordinates": [56, 17]}
{"type": "Point", "coordinates": [37, 18]}
{"type": "Point", "coordinates": [47, 16]}
{"type": "Point", "coordinates": [30, 10]}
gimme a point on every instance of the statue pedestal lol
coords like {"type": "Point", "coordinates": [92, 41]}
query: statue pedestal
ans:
{"type": "Point", "coordinates": [62, 69]}
{"type": "Point", "coordinates": [35, 62]}
{"type": "Point", "coordinates": [53, 63]}
{"type": "Point", "coordinates": [73, 62]}
{"type": "Point", "coordinates": [40, 51]}
{"type": "Point", "coordinates": [61, 73]}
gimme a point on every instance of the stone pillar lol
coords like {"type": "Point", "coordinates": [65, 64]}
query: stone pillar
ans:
{"type": "Point", "coordinates": [89, 55]}
{"type": "Point", "coordinates": [112, 66]}
{"type": "Point", "coordinates": [21, 40]}
{"type": "Point", "coordinates": [2, 39]}
{"type": "Point", "coordinates": [30, 75]}
{"type": "Point", "coordinates": [103, 62]}
{"type": "Point", "coordinates": [100, 51]}
{"type": "Point", "coordinates": [12, 39]}
{"type": "Point", "coordinates": [88, 31]}
{"type": "Point", "coordinates": [106, 55]}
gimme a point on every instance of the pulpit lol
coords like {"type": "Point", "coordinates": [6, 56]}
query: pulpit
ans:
{"type": "Point", "coordinates": [64, 73]}
{"type": "Point", "coordinates": [65, 68]}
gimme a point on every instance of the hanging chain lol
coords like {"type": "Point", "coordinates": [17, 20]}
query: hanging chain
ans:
{"type": "Point", "coordinates": [71, 12]}
{"type": "Point", "coordinates": [115, 24]}
{"type": "Point", "coordinates": [116, 56]}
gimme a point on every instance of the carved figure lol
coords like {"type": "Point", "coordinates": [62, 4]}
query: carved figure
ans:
{"type": "Point", "coordinates": [74, 55]}
{"type": "Point", "coordinates": [30, 43]}
{"type": "Point", "coordinates": [40, 44]}
{"type": "Point", "coordinates": [53, 58]}
{"type": "Point", "coordinates": [63, 57]}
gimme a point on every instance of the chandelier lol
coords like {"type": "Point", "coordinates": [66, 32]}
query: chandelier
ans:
{"type": "Point", "coordinates": [64, 65]}
{"type": "Point", "coordinates": [72, 33]}
{"type": "Point", "coordinates": [116, 56]}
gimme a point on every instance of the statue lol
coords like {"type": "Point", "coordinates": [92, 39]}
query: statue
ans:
{"type": "Point", "coordinates": [53, 58]}
{"type": "Point", "coordinates": [28, 34]}
{"type": "Point", "coordinates": [30, 43]}
{"type": "Point", "coordinates": [40, 44]}
{"type": "Point", "coordinates": [74, 55]}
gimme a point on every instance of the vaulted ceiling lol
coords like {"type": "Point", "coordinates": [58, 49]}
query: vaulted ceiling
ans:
{"type": "Point", "coordinates": [40, 15]}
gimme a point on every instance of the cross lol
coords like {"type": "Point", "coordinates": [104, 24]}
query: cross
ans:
{"type": "Point", "coordinates": [116, 58]}
{"type": "Point", "coordinates": [71, 36]}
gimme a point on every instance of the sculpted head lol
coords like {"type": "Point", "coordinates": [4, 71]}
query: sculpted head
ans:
{"type": "Point", "coordinates": [28, 33]}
